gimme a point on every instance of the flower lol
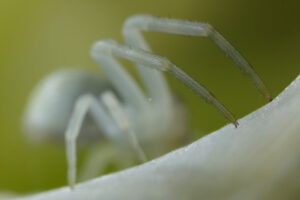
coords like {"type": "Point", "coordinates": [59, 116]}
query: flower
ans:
{"type": "Point", "coordinates": [258, 160]}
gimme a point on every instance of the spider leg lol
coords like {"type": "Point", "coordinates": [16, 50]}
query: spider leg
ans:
{"type": "Point", "coordinates": [134, 25]}
{"type": "Point", "coordinates": [126, 87]}
{"type": "Point", "coordinates": [100, 153]}
{"type": "Point", "coordinates": [104, 115]}
{"type": "Point", "coordinates": [116, 111]}
{"type": "Point", "coordinates": [106, 49]}
{"type": "Point", "coordinates": [93, 164]}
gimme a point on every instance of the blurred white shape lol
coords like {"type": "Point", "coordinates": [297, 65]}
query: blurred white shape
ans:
{"type": "Point", "coordinates": [258, 160]}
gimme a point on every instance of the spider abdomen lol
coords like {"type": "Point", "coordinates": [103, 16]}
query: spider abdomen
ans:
{"type": "Point", "coordinates": [52, 101]}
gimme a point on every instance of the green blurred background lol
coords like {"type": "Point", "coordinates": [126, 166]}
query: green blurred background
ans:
{"type": "Point", "coordinates": [38, 37]}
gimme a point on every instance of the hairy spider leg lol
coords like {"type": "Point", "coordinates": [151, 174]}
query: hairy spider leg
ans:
{"type": "Point", "coordinates": [109, 48]}
{"type": "Point", "coordinates": [143, 22]}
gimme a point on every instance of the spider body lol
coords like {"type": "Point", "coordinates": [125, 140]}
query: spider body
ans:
{"type": "Point", "coordinates": [122, 112]}
{"type": "Point", "coordinates": [52, 102]}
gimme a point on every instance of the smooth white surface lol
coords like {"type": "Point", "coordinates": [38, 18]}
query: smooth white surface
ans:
{"type": "Point", "coordinates": [258, 160]}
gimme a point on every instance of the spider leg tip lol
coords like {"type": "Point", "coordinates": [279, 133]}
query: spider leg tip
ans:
{"type": "Point", "coordinates": [270, 99]}
{"type": "Point", "coordinates": [268, 96]}
{"type": "Point", "coordinates": [72, 187]}
{"type": "Point", "coordinates": [236, 124]}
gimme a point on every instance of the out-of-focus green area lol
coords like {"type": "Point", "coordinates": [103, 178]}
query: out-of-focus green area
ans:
{"type": "Point", "coordinates": [37, 37]}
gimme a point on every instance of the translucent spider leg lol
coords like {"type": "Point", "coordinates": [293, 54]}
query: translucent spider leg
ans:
{"type": "Point", "coordinates": [112, 126]}
{"type": "Point", "coordinates": [100, 154]}
{"type": "Point", "coordinates": [93, 163]}
{"type": "Point", "coordinates": [137, 23]}
{"type": "Point", "coordinates": [106, 49]}
{"type": "Point", "coordinates": [110, 100]}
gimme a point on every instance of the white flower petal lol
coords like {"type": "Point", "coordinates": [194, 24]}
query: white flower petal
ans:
{"type": "Point", "coordinates": [258, 160]}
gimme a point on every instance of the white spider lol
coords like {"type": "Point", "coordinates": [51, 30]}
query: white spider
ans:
{"type": "Point", "coordinates": [119, 108]}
